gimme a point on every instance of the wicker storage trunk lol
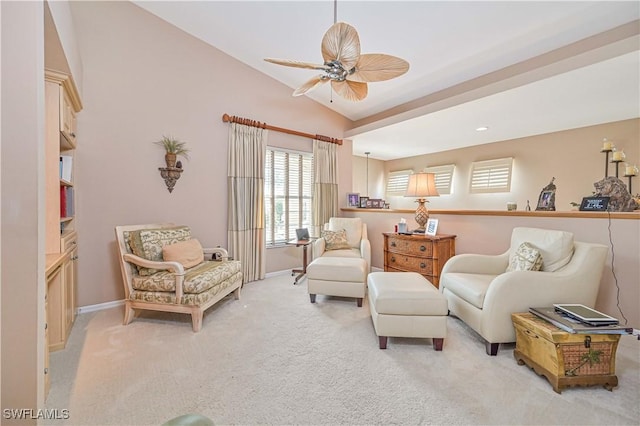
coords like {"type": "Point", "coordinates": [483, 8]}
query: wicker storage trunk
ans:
{"type": "Point", "coordinates": [565, 359]}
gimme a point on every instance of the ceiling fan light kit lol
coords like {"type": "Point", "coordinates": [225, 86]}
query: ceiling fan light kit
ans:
{"type": "Point", "coordinates": [348, 70]}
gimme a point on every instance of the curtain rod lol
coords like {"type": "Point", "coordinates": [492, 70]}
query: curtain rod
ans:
{"type": "Point", "coordinates": [233, 119]}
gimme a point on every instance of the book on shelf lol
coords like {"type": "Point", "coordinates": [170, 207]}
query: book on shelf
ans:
{"type": "Point", "coordinates": [66, 166]}
{"type": "Point", "coordinates": [63, 201]}
{"type": "Point", "coordinates": [574, 326]}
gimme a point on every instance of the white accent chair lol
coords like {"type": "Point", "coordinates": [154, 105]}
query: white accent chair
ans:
{"type": "Point", "coordinates": [481, 293]}
{"type": "Point", "coordinates": [341, 272]}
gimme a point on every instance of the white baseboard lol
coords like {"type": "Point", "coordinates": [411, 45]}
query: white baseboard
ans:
{"type": "Point", "coordinates": [100, 306]}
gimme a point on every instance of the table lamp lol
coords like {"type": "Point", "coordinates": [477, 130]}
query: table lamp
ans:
{"type": "Point", "coordinates": [422, 185]}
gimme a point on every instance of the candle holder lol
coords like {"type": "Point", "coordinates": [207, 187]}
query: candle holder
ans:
{"type": "Point", "coordinates": [629, 172]}
{"type": "Point", "coordinates": [606, 161]}
{"type": "Point", "coordinates": [629, 176]}
{"type": "Point", "coordinates": [618, 157]}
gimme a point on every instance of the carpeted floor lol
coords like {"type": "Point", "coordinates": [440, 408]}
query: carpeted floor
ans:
{"type": "Point", "coordinates": [274, 358]}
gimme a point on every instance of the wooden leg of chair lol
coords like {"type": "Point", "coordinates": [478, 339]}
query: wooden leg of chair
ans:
{"type": "Point", "coordinates": [312, 297]}
{"type": "Point", "coordinates": [359, 302]}
{"type": "Point", "coordinates": [492, 348]}
{"type": "Point", "coordinates": [128, 314]}
{"type": "Point", "coordinates": [382, 342]}
{"type": "Point", "coordinates": [437, 343]}
{"type": "Point", "coordinates": [196, 319]}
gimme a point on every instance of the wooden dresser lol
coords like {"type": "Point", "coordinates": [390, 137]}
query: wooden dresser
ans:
{"type": "Point", "coordinates": [418, 253]}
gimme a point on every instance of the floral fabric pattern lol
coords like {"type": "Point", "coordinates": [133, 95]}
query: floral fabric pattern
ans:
{"type": "Point", "coordinates": [148, 243]}
{"type": "Point", "coordinates": [526, 258]}
{"type": "Point", "coordinates": [197, 280]}
{"type": "Point", "coordinates": [335, 240]}
{"type": "Point", "coordinates": [187, 298]}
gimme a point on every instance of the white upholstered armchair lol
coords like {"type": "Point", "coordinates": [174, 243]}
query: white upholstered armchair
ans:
{"type": "Point", "coordinates": [357, 240]}
{"type": "Point", "coordinates": [341, 260]}
{"type": "Point", "coordinates": [481, 292]}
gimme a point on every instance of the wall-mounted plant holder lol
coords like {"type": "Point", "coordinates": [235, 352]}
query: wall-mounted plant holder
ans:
{"type": "Point", "coordinates": [170, 176]}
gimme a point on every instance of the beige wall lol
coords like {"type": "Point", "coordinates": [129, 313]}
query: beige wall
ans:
{"type": "Point", "coordinates": [371, 184]}
{"type": "Point", "coordinates": [22, 226]}
{"type": "Point", "coordinates": [143, 78]}
{"type": "Point", "coordinates": [573, 157]}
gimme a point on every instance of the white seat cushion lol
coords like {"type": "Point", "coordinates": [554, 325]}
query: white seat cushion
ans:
{"type": "Point", "coordinates": [342, 269]}
{"type": "Point", "coordinates": [405, 293]}
{"type": "Point", "coordinates": [469, 287]}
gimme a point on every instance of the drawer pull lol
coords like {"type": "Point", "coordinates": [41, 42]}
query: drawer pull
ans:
{"type": "Point", "coordinates": [587, 342]}
{"type": "Point", "coordinates": [46, 325]}
{"type": "Point", "coordinates": [393, 243]}
{"type": "Point", "coordinates": [393, 258]}
{"type": "Point", "coordinates": [422, 248]}
{"type": "Point", "coordinates": [423, 265]}
{"type": "Point", "coordinates": [46, 371]}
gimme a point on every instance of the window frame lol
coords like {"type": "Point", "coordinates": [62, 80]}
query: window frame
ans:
{"type": "Point", "coordinates": [491, 176]}
{"type": "Point", "coordinates": [304, 181]}
{"type": "Point", "coordinates": [392, 177]}
{"type": "Point", "coordinates": [443, 177]}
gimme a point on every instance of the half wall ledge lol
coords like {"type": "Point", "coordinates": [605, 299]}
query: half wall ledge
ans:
{"type": "Point", "coordinates": [572, 214]}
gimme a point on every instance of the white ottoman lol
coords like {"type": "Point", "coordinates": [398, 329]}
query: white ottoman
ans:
{"type": "Point", "coordinates": [405, 304]}
{"type": "Point", "coordinates": [337, 276]}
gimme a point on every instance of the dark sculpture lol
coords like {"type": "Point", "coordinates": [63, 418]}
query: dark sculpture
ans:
{"type": "Point", "coordinates": [620, 200]}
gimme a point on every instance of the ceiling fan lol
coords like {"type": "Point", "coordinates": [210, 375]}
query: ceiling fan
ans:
{"type": "Point", "coordinates": [348, 70]}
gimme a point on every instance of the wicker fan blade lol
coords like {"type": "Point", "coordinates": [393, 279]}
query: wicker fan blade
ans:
{"type": "Point", "coordinates": [378, 67]}
{"type": "Point", "coordinates": [296, 64]}
{"type": "Point", "coordinates": [350, 90]}
{"type": "Point", "coordinates": [310, 85]}
{"type": "Point", "coordinates": [341, 42]}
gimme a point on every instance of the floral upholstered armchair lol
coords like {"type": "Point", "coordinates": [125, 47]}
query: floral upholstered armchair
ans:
{"type": "Point", "coordinates": [165, 269]}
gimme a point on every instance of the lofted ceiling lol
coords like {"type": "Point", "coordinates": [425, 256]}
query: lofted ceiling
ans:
{"type": "Point", "coordinates": [519, 68]}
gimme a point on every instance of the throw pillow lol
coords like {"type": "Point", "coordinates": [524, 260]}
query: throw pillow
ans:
{"type": "Point", "coordinates": [335, 240]}
{"type": "Point", "coordinates": [189, 253]}
{"type": "Point", "coordinates": [526, 258]}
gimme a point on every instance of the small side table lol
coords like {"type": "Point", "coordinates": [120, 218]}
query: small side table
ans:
{"type": "Point", "coordinates": [301, 272]}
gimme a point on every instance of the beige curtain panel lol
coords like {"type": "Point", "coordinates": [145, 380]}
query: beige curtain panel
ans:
{"type": "Point", "coordinates": [325, 184]}
{"type": "Point", "coordinates": [245, 183]}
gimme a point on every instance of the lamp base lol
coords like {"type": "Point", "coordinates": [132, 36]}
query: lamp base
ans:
{"type": "Point", "coordinates": [422, 215]}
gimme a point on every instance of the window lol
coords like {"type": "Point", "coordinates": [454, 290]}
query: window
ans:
{"type": "Point", "coordinates": [397, 182]}
{"type": "Point", "coordinates": [491, 176]}
{"type": "Point", "coordinates": [444, 177]}
{"type": "Point", "coordinates": [288, 187]}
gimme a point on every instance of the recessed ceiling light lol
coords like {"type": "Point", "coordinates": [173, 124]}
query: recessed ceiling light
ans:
{"type": "Point", "coordinates": [482, 129]}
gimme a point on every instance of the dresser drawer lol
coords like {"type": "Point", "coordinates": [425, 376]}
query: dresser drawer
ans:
{"type": "Point", "coordinates": [410, 246]}
{"type": "Point", "coordinates": [410, 263]}
{"type": "Point", "coordinates": [68, 241]}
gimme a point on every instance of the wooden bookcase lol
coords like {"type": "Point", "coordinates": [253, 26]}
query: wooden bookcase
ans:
{"type": "Point", "coordinates": [61, 245]}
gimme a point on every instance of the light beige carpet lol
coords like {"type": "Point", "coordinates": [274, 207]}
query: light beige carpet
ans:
{"type": "Point", "coordinates": [274, 358]}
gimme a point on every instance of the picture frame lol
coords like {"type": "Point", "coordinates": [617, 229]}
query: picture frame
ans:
{"type": "Point", "coordinates": [369, 203]}
{"type": "Point", "coordinates": [432, 227]}
{"type": "Point", "coordinates": [353, 199]}
{"type": "Point", "coordinates": [546, 200]}
{"type": "Point", "coordinates": [377, 203]}
{"type": "Point", "coordinates": [363, 202]}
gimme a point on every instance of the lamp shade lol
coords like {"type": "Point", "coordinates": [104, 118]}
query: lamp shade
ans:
{"type": "Point", "coordinates": [422, 185]}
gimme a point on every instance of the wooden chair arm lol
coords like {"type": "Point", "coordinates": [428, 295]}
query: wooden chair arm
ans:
{"type": "Point", "coordinates": [174, 267]}
{"type": "Point", "coordinates": [224, 254]}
